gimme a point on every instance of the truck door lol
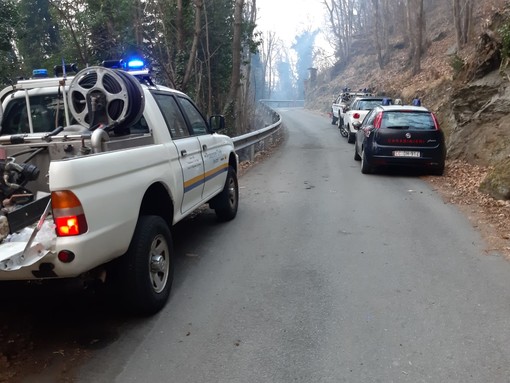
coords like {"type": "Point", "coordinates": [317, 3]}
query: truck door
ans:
{"type": "Point", "coordinates": [214, 151]}
{"type": "Point", "coordinates": [189, 150]}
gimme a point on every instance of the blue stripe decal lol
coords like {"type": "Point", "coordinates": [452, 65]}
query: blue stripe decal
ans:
{"type": "Point", "coordinates": [194, 185]}
{"type": "Point", "coordinates": [217, 173]}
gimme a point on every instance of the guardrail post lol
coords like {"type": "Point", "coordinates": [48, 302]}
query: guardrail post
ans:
{"type": "Point", "coordinates": [247, 154]}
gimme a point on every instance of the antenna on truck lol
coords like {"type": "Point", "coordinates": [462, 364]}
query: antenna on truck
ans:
{"type": "Point", "coordinates": [63, 83]}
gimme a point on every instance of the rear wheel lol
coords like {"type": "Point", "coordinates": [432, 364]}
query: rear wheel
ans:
{"type": "Point", "coordinates": [356, 155]}
{"type": "Point", "coordinates": [350, 136]}
{"type": "Point", "coordinates": [341, 126]}
{"type": "Point", "coordinates": [333, 119]}
{"type": "Point", "coordinates": [226, 203]}
{"type": "Point", "coordinates": [365, 167]}
{"type": "Point", "coordinates": [144, 275]}
{"type": "Point", "coordinates": [439, 170]}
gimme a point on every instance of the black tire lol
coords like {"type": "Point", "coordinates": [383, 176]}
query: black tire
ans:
{"type": "Point", "coordinates": [365, 167]}
{"type": "Point", "coordinates": [333, 120]}
{"type": "Point", "coordinates": [341, 126]}
{"type": "Point", "coordinates": [438, 171]}
{"type": "Point", "coordinates": [356, 155]}
{"type": "Point", "coordinates": [350, 136]}
{"type": "Point", "coordinates": [144, 276]}
{"type": "Point", "coordinates": [226, 203]}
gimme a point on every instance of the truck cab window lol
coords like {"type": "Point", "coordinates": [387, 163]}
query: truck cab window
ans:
{"type": "Point", "coordinates": [172, 114]}
{"type": "Point", "coordinates": [197, 122]}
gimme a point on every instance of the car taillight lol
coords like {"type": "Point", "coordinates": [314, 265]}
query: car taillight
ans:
{"type": "Point", "coordinates": [436, 123]}
{"type": "Point", "coordinates": [68, 214]}
{"type": "Point", "coordinates": [378, 120]}
{"type": "Point", "coordinates": [356, 115]}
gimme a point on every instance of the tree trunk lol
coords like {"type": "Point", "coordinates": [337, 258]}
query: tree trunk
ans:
{"type": "Point", "coordinates": [466, 24]}
{"type": "Point", "coordinates": [410, 32]}
{"type": "Point", "coordinates": [462, 16]}
{"type": "Point", "coordinates": [179, 27]}
{"type": "Point", "coordinates": [419, 37]}
{"type": "Point", "coordinates": [194, 46]}
{"type": "Point", "coordinates": [376, 34]}
{"type": "Point", "coordinates": [207, 55]}
{"type": "Point", "coordinates": [235, 81]}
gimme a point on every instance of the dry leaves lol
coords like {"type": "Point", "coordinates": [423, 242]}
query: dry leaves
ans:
{"type": "Point", "coordinates": [460, 186]}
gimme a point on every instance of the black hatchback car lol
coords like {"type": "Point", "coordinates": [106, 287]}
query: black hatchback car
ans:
{"type": "Point", "coordinates": [400, 135]}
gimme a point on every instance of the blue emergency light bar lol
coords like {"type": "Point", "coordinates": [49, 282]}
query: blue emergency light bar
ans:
{"type": "Point", "coordinates": [131, 65]}
{"type": "Point", "coordinates": [40, 73]}
{"type": "Point", "coordinates": [135, 64]}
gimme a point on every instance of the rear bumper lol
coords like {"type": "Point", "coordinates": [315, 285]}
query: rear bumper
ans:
{"type": "Point", "coordinates": [429, 157]}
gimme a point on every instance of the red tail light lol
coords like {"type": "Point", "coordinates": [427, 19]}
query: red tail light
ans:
{"type": "Point", "coordinates": [68, 214]}
{"type": "Point", "coordinates": [356, 115]}
{"type": "Point", "coordinates": [436, 124]}
{"type": "Point", "coordinates": [378, 120]}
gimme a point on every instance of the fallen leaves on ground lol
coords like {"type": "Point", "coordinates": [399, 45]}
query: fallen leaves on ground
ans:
{"type": "Point", "coordinates": [460, 186]}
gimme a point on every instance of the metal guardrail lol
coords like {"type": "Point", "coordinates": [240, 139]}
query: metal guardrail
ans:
{"type": "Point", "coordinates": [283, 103]}
{"type": "Point", "coordinates": [246, 144]}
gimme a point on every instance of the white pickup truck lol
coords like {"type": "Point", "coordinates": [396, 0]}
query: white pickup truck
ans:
{"type": "Point", "coordinates": [340, 103]}
{"type": "Point", "coordinates": [95, 169]}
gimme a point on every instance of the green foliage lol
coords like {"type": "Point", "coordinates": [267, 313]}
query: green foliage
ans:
{"type": "Point", "coordinates": [8, 59]}
{"type": "Point", "coordinates": [504, 31]}
{"type": "Point", "coordinates": [457, 63]}
{"type": "Point", "coordinates": [42, 33]}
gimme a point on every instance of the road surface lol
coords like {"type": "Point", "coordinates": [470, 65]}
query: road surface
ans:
{"type": "Point", "coordinates": [326, 275]}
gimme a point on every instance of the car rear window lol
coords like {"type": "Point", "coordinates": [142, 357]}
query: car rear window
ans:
{"type": "Point", "coordinates": [47, 112]}
{"type": "Point", "coordinates": [368, 104]}
{"type": "Point", "coordinates": [408, 120]}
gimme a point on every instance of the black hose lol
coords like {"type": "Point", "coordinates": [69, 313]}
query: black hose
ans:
{"type": "Point", "coordinates": [133, 106]}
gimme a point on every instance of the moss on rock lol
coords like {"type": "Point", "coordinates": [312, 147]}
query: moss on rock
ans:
{"type": "Point", "coordinates": [497, 182]}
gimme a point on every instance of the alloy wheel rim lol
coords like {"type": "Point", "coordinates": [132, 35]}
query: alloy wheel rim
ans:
{"type": "Point", "coordinates": [159, 264]}
{"type": "Point", "coordinates": [232, 192]}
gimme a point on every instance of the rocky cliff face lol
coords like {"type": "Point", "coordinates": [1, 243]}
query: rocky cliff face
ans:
{"type": "Point", "coordinates": [479, 110]}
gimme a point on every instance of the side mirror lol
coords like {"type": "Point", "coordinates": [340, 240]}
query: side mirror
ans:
{"type": "Point", "coordinates": [356, 125]}
{"type": "Point", "coordinates": [217, 123]}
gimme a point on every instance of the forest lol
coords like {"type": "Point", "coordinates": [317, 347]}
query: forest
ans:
{"type": "Point", "coordinates": [211, 49]}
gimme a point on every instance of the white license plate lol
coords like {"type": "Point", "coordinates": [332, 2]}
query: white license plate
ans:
{"type": "Point", "coordinates": [405, 153]}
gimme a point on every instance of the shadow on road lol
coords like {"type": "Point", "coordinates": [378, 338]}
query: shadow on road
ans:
{"type": "Point", "coordinates": [47, 330]}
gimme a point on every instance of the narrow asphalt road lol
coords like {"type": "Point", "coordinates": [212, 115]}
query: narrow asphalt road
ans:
{"type": "Point", "coordinates": [326, 275]}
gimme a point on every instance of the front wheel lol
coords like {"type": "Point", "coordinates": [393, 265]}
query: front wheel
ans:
{"type": "Point", "coordinates": [226, 203]}
{"type": "Point", "coordinates": [144, 275]}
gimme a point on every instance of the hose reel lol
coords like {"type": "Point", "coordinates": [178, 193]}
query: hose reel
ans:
{"type": "Point", "coordinates": [106, 97]}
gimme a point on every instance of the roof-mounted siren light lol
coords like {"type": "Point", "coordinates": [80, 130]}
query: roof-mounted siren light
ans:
{"type": "Point", "coordinates": [416, 102]}
{"type": "Point", "coordinates": [113, 64]}
{"type": "Point", "coordinates": [69, 68]}
{"type": "Point", "coordinates": [135, 64]}
{"type": "Point", "coordinates": [386, 101]}
{"type": "Point", "coordinates": [40, 73]}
